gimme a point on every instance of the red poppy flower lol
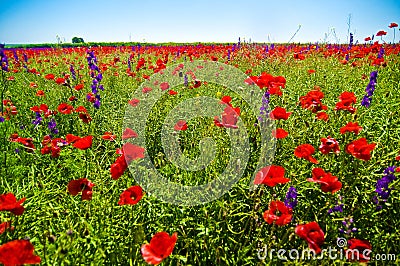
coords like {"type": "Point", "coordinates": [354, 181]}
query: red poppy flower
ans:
{"type": "Point", "coordinates": [4, 226]}
{"type": "Point", "coordinates": [160, 247]}
{"type": "Point", "coordinates": [118, 167]}
{"type": "Point", "coordinates": [109, 136]}
{"type": "Point", "coordinates": [197, 83]}
{"type": "Point", "coordinates": [172, 92]}
{"type": "Point", "coordinates": [329, 183]}
{"type": "Point", "coordinates": [226, 100]}
{"type": "Point", "coordinates": [134, 102]}
{"type": "Point", "coordinates": [322, 116]}
{"type": "Point", "coordinates": [65, 108]}
{"type": "Point", "coordinates": [146, 89]}
{"type": "Point", "coordinates": [86, 118]}
{"type": "Point", "coordinates": [40, 93]}
{"type": "Point", "coordinates": [367, 39]}
{"type": "Point", "coordinates": [347, 98]}
{"type": "Point", "coordinates": [8, 202]}
{"type": "Point", "coordinates": [83, 143]}
{"type": "Point", "coordinates": [279, 213]}
{"type": "Point", "coordinates": [360, 149]}
{"type": "Point", "coordinates": [305, 151]}
{"type": "Point", "coordinates": [164, 86]}
{"type": "Point", "coordinates": [32, 85]}
{"type": "Point", "coordinates": [132, 152]}
{"type": "Point", "coordinates": [351, 127]}
{"type": "Point", "coordinates": [299, 56]}
{"type": "Point", "coordinates": [60, 81]}
{"type": "Point", "coordinates": [271, 176]}
{"type": "Point", "coordinates": [81, 109]}
{"type": "Point", "coordinates": [78, 87]}
{"type": "Point", "coordinates": [313, 101]}
{"type": "Point", "coordinates": [18, 252]}
{"type": "Point", "coordinates": [131, 196]}
{"type": "Point", "coordinates": [129, 133]}
{"type": "Point", "coordinates": [313, 234]}
{"type": "Point", "coordinates": [279, 113]}
{"type": "Point", "coordinates": [279, 133]}
{"type": "Point", "coordinates": [49, 76]}
{"type": "Point", "coordinates": [357, 247]}
{"type": "Point", "coordinates": [180, 125]}
{"type": "Point", "coordinates": [70, 138]}
{"type": "Point", "coordinates": [329, 144]}
{"type": "Point", "coordinates": [311, 71]}
{"type": "Point", "coordinates": [381, 33]}
{"type": "Point", "coordinates": [393, 25]}
{"type": "Point", "coordinates": [81, 185]}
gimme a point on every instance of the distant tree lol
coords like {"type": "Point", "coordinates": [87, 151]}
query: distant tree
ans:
{"type": "Point", "coordinates": [77, 40]}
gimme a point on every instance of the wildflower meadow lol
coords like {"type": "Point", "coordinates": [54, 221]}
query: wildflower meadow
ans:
{"type": "Point", "coordinates": [201, 154]}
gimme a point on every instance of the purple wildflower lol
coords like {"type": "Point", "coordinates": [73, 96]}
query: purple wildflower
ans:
{"type": "Point", "coordinates": [366, 101]}
{"type": "Point", "coordinates": [291, 197]}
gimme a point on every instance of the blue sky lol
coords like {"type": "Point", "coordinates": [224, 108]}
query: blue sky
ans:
{"type": "Point", "coordinates": [190, 21]}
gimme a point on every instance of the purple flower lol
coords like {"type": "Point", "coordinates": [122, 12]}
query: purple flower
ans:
{"type": "Point", "coordinates": [366, 101]}
{"type": "Point", "coordinates": [3, 59]}
{"type": "Point", "coordinates": [291, 197]}
{"type": "Point", "coordinates": [72, 70]}
{"type": "Point", "coordinates": [186, 80]}
{"type": "Point", "coordinates": [38, 119]}
{"type": "Point", "coordinates": [1, 119]}
{"type": "Point", "coordinates": [96, 104]}
{"type": "Point", "coordinates": [53, 126]}
{"type": "Point", "coordinates": [382, 186]}
{"type": "Point", "coordinates": [264, 112]}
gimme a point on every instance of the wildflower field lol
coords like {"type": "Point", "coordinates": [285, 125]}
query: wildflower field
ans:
{"type": "Point", "coordinates": [321, 164]}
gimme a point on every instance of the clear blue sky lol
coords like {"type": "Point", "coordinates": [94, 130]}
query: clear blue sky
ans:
{"type": "Point", "coordinates": [33, 21]}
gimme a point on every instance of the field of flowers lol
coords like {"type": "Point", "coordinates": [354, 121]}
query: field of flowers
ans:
{"type": "Point", "coordinates": [72, 190]}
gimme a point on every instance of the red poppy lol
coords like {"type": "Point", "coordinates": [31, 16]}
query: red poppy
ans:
{"type": "Point", "coordinates": [279, 213]}
{"type": "Point", "coordinates": [393, 25]}
{"type": "Point", "coordinates": [65, 108]}
{"type": "Point", "coordinates": [4, 226]}
{"type": "Point", "coordinates": [131, 196]}
{"type": "Point", "coordinates": [329, 144]}
{"type": "Point", "coordinates": [70, 138]}
{"type": "Point", "coordinates": [346, 99]}
{"type": "Point", "coordinates": [129, 133]}
{"type": "Point", "coordinates": [146, 89]}
{"type": "Point", "coordinates": [86, 118]}
{"type": "Point", "coordinates": [367, 39]}
{"type": "Point", "coordinates": [313, 101]}
{"type": "Point", "coordinates": [40, 93]}
{"type": "Point", "coordinates": [49, 76]}
{"type": "Point", "coordinates": [109, 136]}
{"type": "Point", "coordinates": [18, 252]}
{"type": "Point", "coordinates": [271, 176]}
{"type": "Point", "coordinates": [164, 86]}
{"type": "Point", "coordinates": [197, 83]}
{"type": "Point", "coordinates": [8, 202]}
{"type": "Point", "coordinates": [313, 234]}
{"type": "Point", "coordinates": [134, 102]}
{"type": "Point", "coordinates": [160, 247]}
{"type": "Point", "coordinates": [132, 152]}
{"type": "Point", "coordinates": [81, 109]}
{"type": "Point", "coordinates": [83, 143]}
{"type": "Point", "coordinates": [299, 56]}
{"type": "Point", "coordinates": [72, 98]}
{"type": "Point", "coordinates": [305, 151]}
{"type": "Point", "coordinates": [329, 183]}
{"type": "Point", "coordinates": [78, 87]}
{"type": "Point", "coordinates": [311, 71]}
{"type": "Point", "coordinates": [360, 149]}
{"type": "Point", "coordinates": [279, 113]}
{"type": "Point", "coordinates": [32, 85]}
{"type": "Point", "coordinates": [381, 33]}
{"type": "Point", "coordinates": [322, 116]}
{"type": "Point", "coordinates": [118, 167]}
{"type": "Point", "coordinates": [172, 92]}
{"type": "Point", "coordinates": [226, 100]}
{"type": "Point", "coordinates": [180, 125]}
{"type": "Point", "coordinates": [279, 133]}
{"type": "Point", "coordinates": [351, 127]}
{"type": "Point", "coordinates": [358, 247]}
{"type": "Point", "coordinates": [60, 81]}
{"type": "Point", "coordinates": [81, 185]}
